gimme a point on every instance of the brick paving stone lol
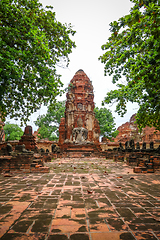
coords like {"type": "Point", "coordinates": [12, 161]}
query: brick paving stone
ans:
{"type": "Point", "coordinates": [79, 236]}
{"type": "Point", "coordinates": [63, 212]}
{"type": "Point", "coordinates": [112, 236]}
{"type": "Point", "coordinates": [68, 225]}
{"type": "Point", "coordinates": [94, 199]}
{"type": "Point", "coordinates": [58, 237]}
{"type": "Point", "coordinates": [157, 234]}
{"type": "Point", "coordinates": [78, 213]}
{"type": "Point", "coordinates": [98, 225]}
{"type": "Point", "coordinates": [9, 218]}
{"type": "Point", "coordinates": [116, 224]}
{"type": "Point", "coordinates": [21, 236]}
{"type": "Point", "coordinates": [145, 235]}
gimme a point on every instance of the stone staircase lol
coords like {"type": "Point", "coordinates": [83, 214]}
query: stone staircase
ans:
{"type": "Point", "coordinates": [37, 165]}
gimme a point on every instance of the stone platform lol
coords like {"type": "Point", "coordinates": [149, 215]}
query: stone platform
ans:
{"type": "Point", "coordinates": [80, 150]}
{"type": "Point", "coordinates": [80, 199]}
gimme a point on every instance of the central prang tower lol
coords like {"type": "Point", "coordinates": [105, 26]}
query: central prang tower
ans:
{"type": "Point", "coordinates": [79, 129]}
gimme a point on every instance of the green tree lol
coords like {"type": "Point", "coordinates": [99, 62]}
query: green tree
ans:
{"type": "Point", "coordinates": [133, 51]}
{"type": "Point", "coordinates": [12, 131]}
{"type": "Point", "coordinates": [106, 122]}
{"type": "Point", "coordinates": [32, 43]}
{"type": "Point", "coordinates": [49, 124]}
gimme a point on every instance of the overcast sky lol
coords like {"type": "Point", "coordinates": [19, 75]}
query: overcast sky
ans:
{"type": "Point", "coordinates": [90, 19]}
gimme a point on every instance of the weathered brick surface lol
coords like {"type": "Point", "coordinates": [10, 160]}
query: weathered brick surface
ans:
{"type": "Point", "coordinates": [2, 133]}
{"type": "Point", "coordinates": [28, 139]}
{"type": "Point", "coordinates": [80, 199]}
{"type": "Point", "coordinates": [144, 159]}
{"type": "Point", "coordinates": [79, 116]}
{"type": "Point", "coordinates": [79, 104]}
{"type": "Point", "coordinates": [22, 163]}
{"type": "Point", "coordinates": [137, 170]}
{"type": "Point", "coordinates": [129, 130]}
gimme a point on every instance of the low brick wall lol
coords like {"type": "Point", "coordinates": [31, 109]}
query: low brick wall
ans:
{"type": "Point", "coordinates": [143, 161]}
{"type": "Point", "coordinates": [24, 163]}
{"type": "Point", "coordinates": [46, 145]}
{"type": "Point", "coordinates": [40, 144]}
{"type": "Point", "coordinates": [156, 161]}
{"type": "Point", "coordinates": [18, 163]}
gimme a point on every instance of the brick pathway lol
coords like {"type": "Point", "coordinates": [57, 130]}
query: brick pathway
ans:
{"type": "Point", "coordinates": [80, 199]}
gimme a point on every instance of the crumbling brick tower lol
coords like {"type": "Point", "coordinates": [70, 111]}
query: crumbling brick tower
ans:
{"type": "Point", "coordinates": [79, 125]}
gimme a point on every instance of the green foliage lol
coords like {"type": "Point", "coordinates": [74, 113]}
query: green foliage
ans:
{"type": "Point", "coordinates": [12, 132]}
{"type": "Point", "coordinates": [133, 51]}
{"type": "Point", "coordinates": [32, 43]}
{"type": "Point", "coordinates": [106, 122]}
{"type": "Point", "coordinates": [49, 124]}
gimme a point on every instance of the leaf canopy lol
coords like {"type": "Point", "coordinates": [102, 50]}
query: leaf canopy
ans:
{"type": "Point", "coordinates": [12, 132]}
{"type": "Point", "coordinates": [106, 122]}
{"type": "Point", "coordinates": [49, 124]}
{"type": "Point", "coordinates": [133, 51]}
{"type": "Point", "coordinates": [32, 43]}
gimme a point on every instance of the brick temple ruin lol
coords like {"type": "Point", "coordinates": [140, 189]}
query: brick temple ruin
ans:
{"type": "Point", "coordinates": [23, 157]}
{"type": "Point", "coordinates": [129, 130]}
{"type": "Point", "coordinates": [79, 131]}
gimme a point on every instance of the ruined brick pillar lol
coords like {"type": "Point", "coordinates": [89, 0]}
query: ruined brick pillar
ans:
{"type": "Point", "coordinates": [79, 115]}
{"type": "Point", "coordinates": [2, 134]}
{"type": "Point", "coordinates": [28, 139]}
{"type": "Point", "coordinates": [62, 131]}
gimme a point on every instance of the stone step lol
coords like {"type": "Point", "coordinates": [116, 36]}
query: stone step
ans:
{"type": "Point", "coordinates": [150, 170]}
{"type": "Point", "coordinates": [40, 169]}
{"type": "Point", "coordinates": [37, 160]}
{"type": "Point", "coordinates": [140, 169]}
{"type": "Point", "coordinates": [33, 164]}
{"type": "Point", "coordinates": [143, 170]}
